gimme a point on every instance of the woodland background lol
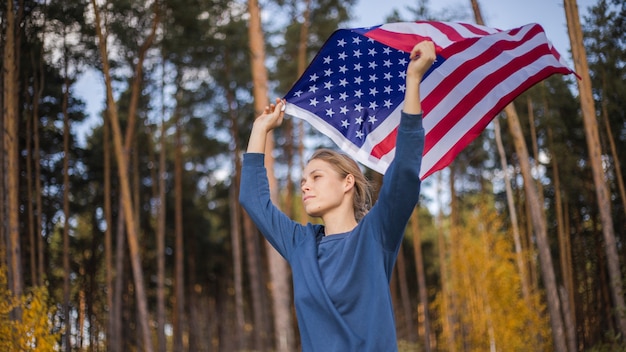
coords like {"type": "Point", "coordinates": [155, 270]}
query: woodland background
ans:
{"type": "Point", "coordinates": [133, 239]}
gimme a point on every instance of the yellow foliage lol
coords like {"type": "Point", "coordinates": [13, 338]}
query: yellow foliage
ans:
{"type": "Point", "coordinates": [482, 299]}
{"type": "Point", "coordinates": [34, 331]}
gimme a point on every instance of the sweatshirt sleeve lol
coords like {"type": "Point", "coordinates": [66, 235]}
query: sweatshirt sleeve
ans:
{"type": "Point", "coordinates": [400, 190]}
{"type": "Point", "coordinates": [254, 196]}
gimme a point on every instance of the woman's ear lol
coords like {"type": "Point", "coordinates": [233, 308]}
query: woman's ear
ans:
{"type": "Point", "coordinates": [349, 182]}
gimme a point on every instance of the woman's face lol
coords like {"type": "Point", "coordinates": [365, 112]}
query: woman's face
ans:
{"type": "Point", "coordinates": [323, 188]}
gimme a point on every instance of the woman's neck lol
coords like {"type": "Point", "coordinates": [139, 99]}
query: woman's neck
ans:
{"type": "Point", "coordinates": [337, 223]}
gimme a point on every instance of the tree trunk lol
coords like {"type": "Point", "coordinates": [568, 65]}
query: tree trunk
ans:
{"type": "Point", "coordinates": [302, 60]}
{"type": "Point", "coordinates": [235, 220]}
{"type": "Point", "coordinates": [108, 235]}
{"type": "Point", "coordinates": [537, 215]}
{"type": "Point", "coordinates": [39, 84]}
{"type": "Point", "coordinates": [541, 235]}
{"type": "Point", "coordinates": [448, 323]}
{"type": "Point", "coordinates": [67, 337]}
{"type": "Point", "coordinates": [521, 264]}
{"type": "Point", "coordinates": [179, 272]}
{"type": "Point", "coordinates": [279, 271]}
{"type": "Point", "coordinates": [519, 254]}
{"type": "Point", "coordinates": [32, 241]}
{"type": "Point", "coordinates": [120, 253]}
{"type": "Point", "coordinates": [619, 179]}
{"type": "Point", "coordinates": [405, 298]}
{"type": "Point", "coordinates": [122, 158]}
{"type": "Point", "coordinates": [422, 311]}
{"type": "Point", "coordinates": [595, 159]}
{"type": "Point", "coordinates": [11, 157]}
{"type": "Point", "coordinates": [161, 216]}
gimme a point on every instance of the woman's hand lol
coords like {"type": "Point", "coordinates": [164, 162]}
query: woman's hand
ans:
{"type": "Point", "coordinates": [271, 118]}
{"type": "Point", "coordinates": [422, 57]}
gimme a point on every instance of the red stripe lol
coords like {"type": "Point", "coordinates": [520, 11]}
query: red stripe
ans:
{"type": "Point", "coordinates": [386, 145]}
{"type": "Point", "coordinates": [473, 132]}
{"type": "Point", "coordinates": [474, 29]}
{"type": "Point", "coordinates": [478, 92]}
{"type": "Point", "coordinates": [400, 41]}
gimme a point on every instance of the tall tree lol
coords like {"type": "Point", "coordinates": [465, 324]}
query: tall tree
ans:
{"type": "Point", "coordinates": [121, 154]}
{"type": "Point", "coordinates": [595, 159]}
{"type": "Point", "coordinates": [10, 115]}
{"type": "Point", "coordinates": [279, 271]}
{"type": "Point", "coordinates": [539, 228]}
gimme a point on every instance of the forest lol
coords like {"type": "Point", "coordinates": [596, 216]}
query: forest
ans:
{"type": "Point", "coordinates": [123, 231]}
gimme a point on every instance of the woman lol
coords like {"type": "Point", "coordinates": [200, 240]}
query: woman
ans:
{"type": "Point", "coordinates": [341, 269]}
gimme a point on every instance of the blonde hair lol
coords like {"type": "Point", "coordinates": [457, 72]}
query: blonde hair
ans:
{"type": "Point", "coordinates": [345, 165]}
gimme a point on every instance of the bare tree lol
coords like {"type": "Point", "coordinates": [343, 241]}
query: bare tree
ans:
{"type": "Point", "coordinates": [537, 217]}
{"type": "Point", "coordinates": [10, 149]}
{"type": "Point", "coordinates": [279, 271]}
{"type": "Point", "coordinates": [595, 159]}
{"type": "Point", "coordinates": [121, 154]}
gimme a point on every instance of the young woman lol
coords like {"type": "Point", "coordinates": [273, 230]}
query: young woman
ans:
{"type": "Point", "coordinates": [341, 269]}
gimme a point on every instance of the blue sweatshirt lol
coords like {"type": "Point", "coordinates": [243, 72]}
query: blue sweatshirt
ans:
{"type": "Point", "coordinates": [341, 282]}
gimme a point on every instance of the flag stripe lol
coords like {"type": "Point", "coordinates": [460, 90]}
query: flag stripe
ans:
{"type": "Point", "coordinates": [477, 78]}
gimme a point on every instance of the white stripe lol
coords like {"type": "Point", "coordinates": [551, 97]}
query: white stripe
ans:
{"type": "Point", "coordinates": [476, 113]}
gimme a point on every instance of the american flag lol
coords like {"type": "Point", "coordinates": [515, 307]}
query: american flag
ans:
{"type": "Point", "coordinates": [353, 90]}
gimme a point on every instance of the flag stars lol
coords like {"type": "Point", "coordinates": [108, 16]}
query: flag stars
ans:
{"type": "Point", "coordinates": [298, 93]}
{"type": "Point", "coordinates": [343, 110]}
{"type": "Point", "coordinates": [358, 107]}
{"type": "Point", "coordinates": [388, 76]}
{"type": "Point", "coordinates": [343, 82]}
{"type": "Point", "coordinates": [345, 123]}
{"type": "Point", "coordinates": [343, 96]}
{"type": "Point", "coordinates": [388, 104]}
{"type": "Point", "coordinates": [388, 90]}
{"type": "Point", "coordinates": [341, 42]}
{"type": "Point", "coordinates": [358, 94]}
{"type": "Point", "coordinates": [373, 78]}
{"type": "Point", "coordinates": [358, 67]}
{"type": "Point", "coordinates": [313, 102]}
{"type": "Point", "coordinates": [358, 120]}
{"type": "Point", "coordinates": [356, 40]}
{"type": "Point", "coordinates": [358, 80]}
{"type": "Point", "coordinates": [330, 112]}
{"type": "Point", "coordinates": [372, 119]}
{"type": "Point", "coordinates": [313, 77]}
{"type": "Point", "coordinates": [342, 55]}
{"type": "Point", "coordinates": [387, 63]}
{"type": "Point", "coordinates": [327, 60]}
{"type": "Point", "coordinates": [328, 85]}
{"type": "Point", "coordinates": [372, 65]}
{"type": "Point", "coordinates": [328, 99]}
{"type": "Point", "coordinates": [373, 91]}
{"type": "Point", "coordinates": [402, 88]}
{"type": "Point", "coordinates": [402, 74]}
{"type": "Point", "coordinates": [357, 53]}
{"type": "Point", "coordinates": [402, 61]}
{"type": "Point", "coordinates": [328, 72]}
{"type": "Point", "coordinates": [343, 69]}
{"type": "Point", "coordinates": [373, 106]}
{"type": "Point", "coordinates": [359, 134]}
{"type": "Point", "coordinates": [371, 52]}
{"type": "Point", "coordinates": [313, 89]}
